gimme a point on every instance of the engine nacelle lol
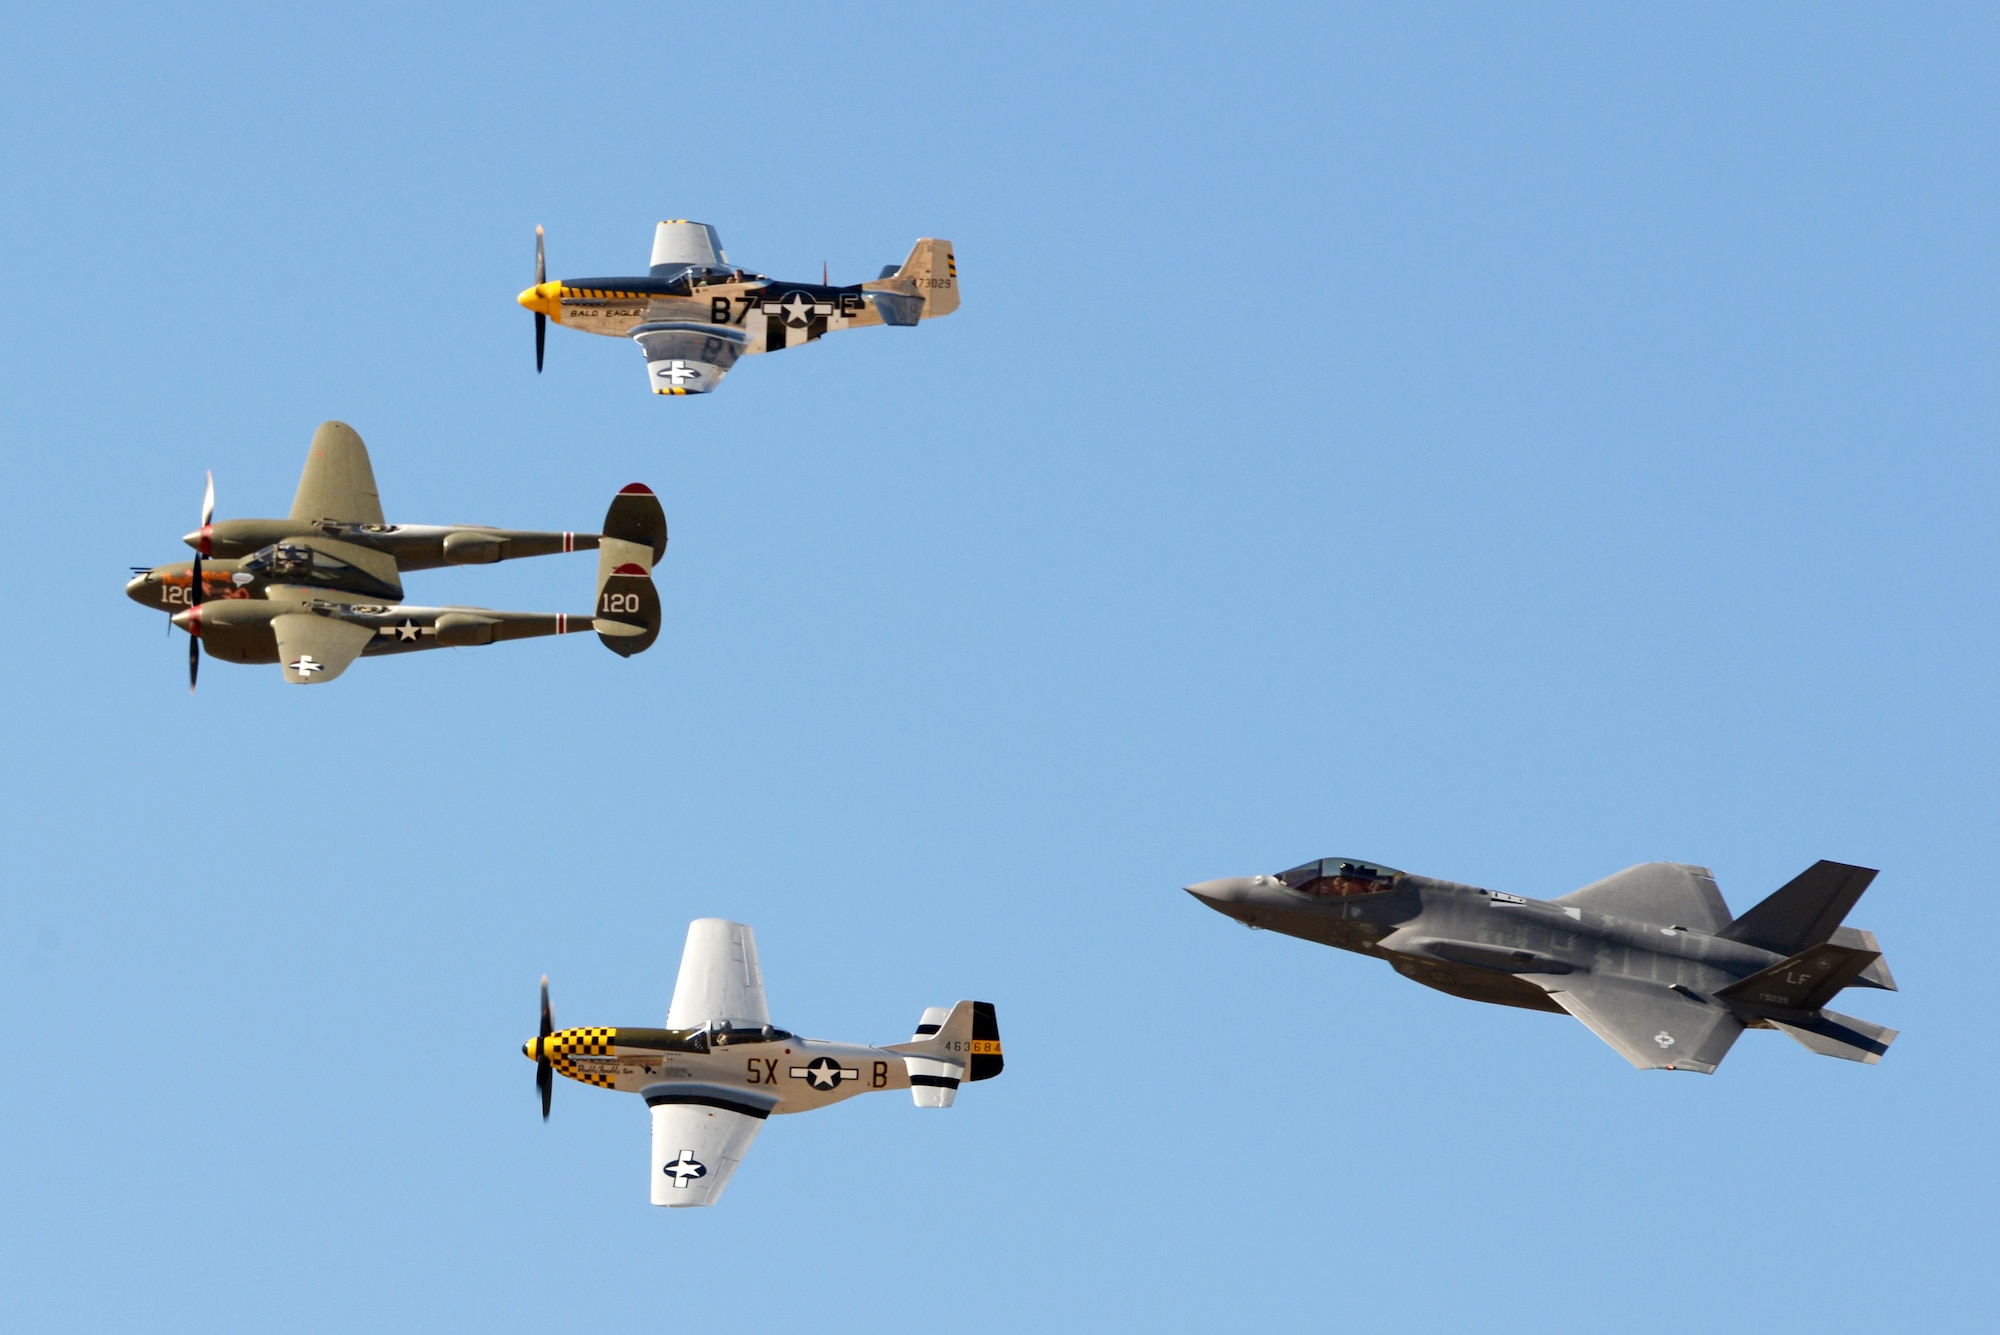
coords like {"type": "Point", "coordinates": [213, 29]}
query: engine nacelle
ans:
{"type": "Point", "coordinates": [469, 548]}
{"type": "Point", "coordinates": [463, 628]}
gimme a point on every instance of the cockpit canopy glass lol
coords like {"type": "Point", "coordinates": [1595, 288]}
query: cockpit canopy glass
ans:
{"type": "Point", "coordinates": [281, 559]}
{"type": "Point", "coordinates": [1336, 878]}
{"type": "Point", "coordinates": [724, 1034]}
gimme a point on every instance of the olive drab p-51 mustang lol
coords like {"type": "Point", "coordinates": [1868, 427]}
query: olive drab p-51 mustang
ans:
{"type": "Point", "coordinates": [322, 587]}
{"type": "Point", "coordinates": [694, 313]}
{"type": "Point", "coordinates": [719, 1069]}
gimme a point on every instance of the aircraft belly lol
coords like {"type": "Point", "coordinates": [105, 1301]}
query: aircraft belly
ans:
{"type": "Point", "coordinates": [1473, 983]}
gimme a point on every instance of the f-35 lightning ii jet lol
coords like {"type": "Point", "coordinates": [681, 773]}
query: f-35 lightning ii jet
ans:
{"type": "Point", "coordinates": [719, 1068]}
{"type": "Point", "coordinates": [694, 314]}
{"type": "Point", "coordinates": [323, 587]}
{"type": "Point", "coordinates": [1649, 959]}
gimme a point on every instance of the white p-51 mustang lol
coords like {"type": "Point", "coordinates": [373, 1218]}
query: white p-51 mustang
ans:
{"type": "Point", "coordinates": [720, 1068]}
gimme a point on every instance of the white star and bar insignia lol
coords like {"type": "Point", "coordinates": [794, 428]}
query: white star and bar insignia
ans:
{"type": "Point", "coordinates": [824, 1073]}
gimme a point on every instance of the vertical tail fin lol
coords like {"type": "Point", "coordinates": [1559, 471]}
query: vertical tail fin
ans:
{"type": "Point", "coordinates": [1805, 911]}
{"type": "Point", "coordinates": [934, 270]}
{"type": "Point", "coordinates": [627, 617]}
{"type": "Point", "coordinates": [952, 1047]}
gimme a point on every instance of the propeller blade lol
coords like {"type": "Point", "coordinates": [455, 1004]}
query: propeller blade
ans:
{"type": "Point", "coordinates": [194, 630]}
{"type": "Point", "coordinates": [541, 320]}
{"type": "Point", "coordinates": [545, 1074]}
{"type": "Point", "coordinates": [203, 537]}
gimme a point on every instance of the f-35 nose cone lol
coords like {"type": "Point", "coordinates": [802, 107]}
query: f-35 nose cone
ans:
{"type": "Point", "coordinates": [1226, 890]}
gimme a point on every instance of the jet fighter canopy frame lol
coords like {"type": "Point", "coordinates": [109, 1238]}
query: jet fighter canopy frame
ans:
{"type": "Point", "coordinates": [1340, 878]}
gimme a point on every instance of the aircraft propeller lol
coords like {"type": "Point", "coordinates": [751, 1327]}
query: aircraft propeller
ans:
{"type": "Point", "coordinates": [545, 1073]}
{"type": "Point", "coordinates": [541, 320]}
{"type": "Point", "coordinates": [202, 548]}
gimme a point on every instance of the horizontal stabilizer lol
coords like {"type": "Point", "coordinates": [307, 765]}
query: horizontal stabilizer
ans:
{"type": "Point", "coordinates": [1805, 911]}
{"type": "Point", "coordinates": [934, 1082]}
{"type": "Point", "coordinates": [1834, 1035]}
{"type": "Point", "coordinates": [1805, 982]}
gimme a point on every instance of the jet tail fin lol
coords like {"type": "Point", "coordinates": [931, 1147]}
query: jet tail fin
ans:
{"type": "Point", "coordinates": [1803, 983]}
{"type": "Point", "coordinates": [951, 1046]}
{"type": "Point", "coordinates": [1805, 911]}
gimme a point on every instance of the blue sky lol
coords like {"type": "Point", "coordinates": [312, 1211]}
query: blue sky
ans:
{"type": "Point", "coordinates": [1507, 445]}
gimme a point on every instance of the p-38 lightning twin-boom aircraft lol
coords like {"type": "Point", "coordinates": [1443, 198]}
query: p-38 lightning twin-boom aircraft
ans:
{"type": "Point", "coordinates": [323, 587]}
{"type": "Point", "coordinates": [719, 1068]}
{"type": "Point", "coordinates": [694, 314]}
{"type": "Point", "coordinates": [1649, 959]}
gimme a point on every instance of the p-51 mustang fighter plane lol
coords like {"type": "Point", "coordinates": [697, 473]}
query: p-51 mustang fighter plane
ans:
{"type": "Point", "coordinates": [1649, 959]}
{"type": "Point", "coordinates": [719, 1068]}
{"type": "Point", "coordinates": [319, 589]}
{"type": "Point", "coordinates": [694, 314]}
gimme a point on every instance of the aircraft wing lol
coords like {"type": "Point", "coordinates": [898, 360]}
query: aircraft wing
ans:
{"type": "Point", "coordinates": [1652, 1026]}
{"type": "Point", "coordinates": [688, 358]}
{"type": "Point", "coordinates": [700, 1134]}
{"type": "Point", "coordinates": [339, 482]}
{"type": "Point", "coordinates": [719, 978]}
{"type": "Point", "coordinates": [313, 648]}
{"type": "Point", "coordinates": [1663, 893]}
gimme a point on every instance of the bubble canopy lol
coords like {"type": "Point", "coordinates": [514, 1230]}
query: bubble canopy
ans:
{"type": "Point", "coordinates": [1340, 878]}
